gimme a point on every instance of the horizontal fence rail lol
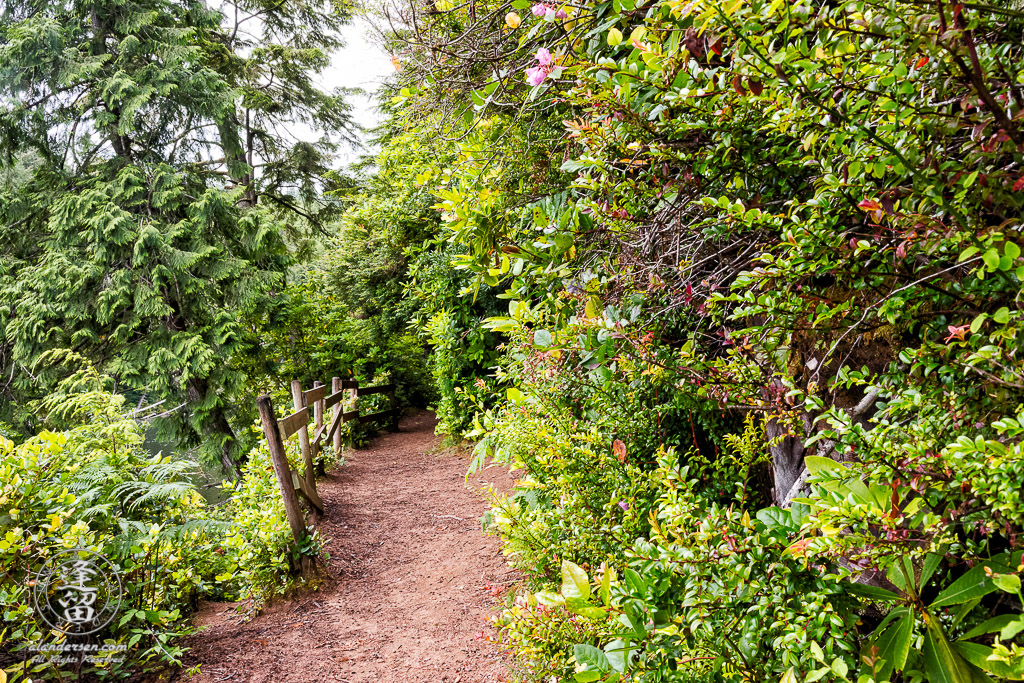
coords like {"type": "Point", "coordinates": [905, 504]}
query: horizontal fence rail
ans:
{"type": "Point", "coordinates": [309, 406]}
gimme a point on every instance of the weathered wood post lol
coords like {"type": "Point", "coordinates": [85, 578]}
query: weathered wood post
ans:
{"type": "Point", "coordinates": [318, 409]}
{"type": "Point", "coordinates": [339, 408]}
{"type": "Point", "coordinates": [307, 454]}
{"type": "Point", "coordinates": [318, 423]}
{"type": "Point", "coordinates": [292, 511]}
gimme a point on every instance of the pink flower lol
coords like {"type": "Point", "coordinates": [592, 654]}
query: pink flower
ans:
{"type": "Point", "coordinates": [543, 56]}
{"type": "Point", "coordinates": [536, 75]}
{"type": "Point", "coordinates": [561, 14]}
{"type": "Point", "coordinates": [540, 9]}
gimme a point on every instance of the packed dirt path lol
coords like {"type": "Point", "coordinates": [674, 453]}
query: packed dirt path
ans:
{"type": "Point", "coordinates": [411, 580]}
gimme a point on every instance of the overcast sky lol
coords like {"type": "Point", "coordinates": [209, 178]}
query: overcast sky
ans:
{"type": "Point", "coordinates": [360, 64]}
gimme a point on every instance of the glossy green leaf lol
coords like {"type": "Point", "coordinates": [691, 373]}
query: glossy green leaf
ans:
{"type": "Point", "coordinates": [894, 642]}
{"type": "Point", "coordinates": [1015, 622]}
{"type": "Point", "coordinates": [973, 584]}
{"type": "Point", "coordinates": [591, 657]}
{"type": "Point", "coordinates": [978, 655]}
{"type": "Point", "coordinates": [575, 583]}
{"type": "Point", "coordinates": [942, 663]}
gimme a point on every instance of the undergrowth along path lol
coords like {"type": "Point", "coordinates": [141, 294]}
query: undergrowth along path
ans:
{"type": "Point", "coordinates": [411, 580]}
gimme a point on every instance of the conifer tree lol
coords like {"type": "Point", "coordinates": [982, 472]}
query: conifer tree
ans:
{"type": "Point", "coordinates": [148, 180]}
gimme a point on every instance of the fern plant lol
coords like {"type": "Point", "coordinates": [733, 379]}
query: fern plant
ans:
{"type": "Point", "coordinates": [88, 483]}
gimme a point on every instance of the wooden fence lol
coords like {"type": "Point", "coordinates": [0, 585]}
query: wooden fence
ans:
{"type": "Point", "coordinates": [310, 406]}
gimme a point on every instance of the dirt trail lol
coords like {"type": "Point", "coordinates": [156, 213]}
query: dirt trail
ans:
{"type": "Point", "coordinates": [411, 580]}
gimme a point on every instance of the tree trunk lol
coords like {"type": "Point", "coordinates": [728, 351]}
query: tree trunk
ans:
{"type": "Point", "coordinates": [216, 425]}
{"type": "Point", "coordinates": [787, 459]}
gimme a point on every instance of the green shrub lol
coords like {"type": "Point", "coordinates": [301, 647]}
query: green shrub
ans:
{"type": "Point", "coordinates": [93, 486]}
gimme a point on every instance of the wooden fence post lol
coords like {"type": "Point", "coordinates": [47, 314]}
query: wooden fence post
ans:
{"type": "Point", "coordinates": [339, 407]}
{"type": "Point", "coordinates": [296, 521]}
{"type": "Point", "coordinates": [318, 423]}
{"type": "Point", "coordinates": [307, 454]}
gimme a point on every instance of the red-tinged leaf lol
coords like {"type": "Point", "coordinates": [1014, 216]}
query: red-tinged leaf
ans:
{"type": "Point", "coordinates": [870, 205]}
{"type": "Point", "coordinates": [756, 86]}
{"type": "Point", "coordinates": [921, 62]}
{"type": "Point", "coordinates": [619, 449]}
{"type": "Point", "coordinates": [798, 549]}
{"type": "Point", "coordinates": [716, 47]}
{"type": "Point", "coordinates": [1019, 185]}
{"type": "Point", "coordinates": [737, 85]}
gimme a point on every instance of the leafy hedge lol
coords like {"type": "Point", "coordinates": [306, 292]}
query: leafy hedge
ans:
{"type": "Point", "coordinates": [90, 484]}
{"type": "Point", "coordinates": [763, 264]}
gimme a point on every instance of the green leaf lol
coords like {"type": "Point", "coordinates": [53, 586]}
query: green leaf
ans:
{"type": "Point", "coordinates": [817, 465]}
{"type": "Point", "coordinates": [991, 258]}
{"type": "Point", "coordinates": [575, 583]}
{"type": "Point", "coordinates": [1008, 583]}
{"type": "Point", "coordinates": [776, 518]}
{"type": "Point", "coordinates": [542, 338]}
{"type": "Point", "coordinates": [636, 584]}
{"type": "Point", "coordinates": [942, 663]}
{"type": "Point", "coordinates": [514, 394]}
{"type": "Point", "coordinates": [872, 592]}
{"type": "Point", "coordinates": [1002, 315]}
{"type": "Point", "coordinates": [585, 609]}
{"type": "Point", "coordinates": [931, 563]}
{"type": "Point", "coordinates": [591, 657]}
{"type": "Point", "coordinates": [617, 652]}
{"type": "Point", "coordinates": [964, 609]}
{"type": "Point", "coordinates": [967, 253]}
{"type": "Point", "coordinates": [606, 584]}
{"type": "Point", "coordinates": [894, 642]}
{"type": "Point", "coordinates": [973, 584]}
{"type": "Point", "coordinates": [978, 655]}
{"type": "Point", "coordinates": [978, 322]}
{"type": "Point", "coordinates": [1013, 622]}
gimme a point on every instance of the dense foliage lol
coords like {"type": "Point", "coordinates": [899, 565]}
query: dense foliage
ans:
{"type": "Point", "coordinates": [90, 484]}
{"type": "Point", "coordinates": [759, 363]}
{"type": "Point", "coordinates": [732, 286]}
{"type": "Point", "coordinates": [155, 192]}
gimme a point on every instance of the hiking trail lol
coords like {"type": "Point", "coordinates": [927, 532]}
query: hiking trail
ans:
{"type": "Point", "coordinates": [409, 586]}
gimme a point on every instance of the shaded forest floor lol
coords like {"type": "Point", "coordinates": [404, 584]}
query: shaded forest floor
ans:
{"type": "Point", "coordinates": [411, 580]}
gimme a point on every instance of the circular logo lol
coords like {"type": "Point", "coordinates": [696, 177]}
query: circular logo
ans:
{"type": "Point", "coordinates": [77, 592]}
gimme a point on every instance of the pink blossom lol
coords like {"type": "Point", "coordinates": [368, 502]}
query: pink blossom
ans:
{"type": "Point", "coordinates": [543, 56]}
{"type": "Point", "coordinates": [561, 14]}
{"type": "Point", "coordinates": [536, 75]}
{"type": "Point", "coordinates": [540, 9]}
